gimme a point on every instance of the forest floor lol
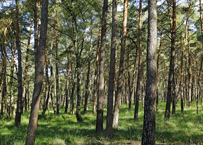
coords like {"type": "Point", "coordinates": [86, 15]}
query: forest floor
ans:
{"type": "Point", "coordinates": [64, 129]}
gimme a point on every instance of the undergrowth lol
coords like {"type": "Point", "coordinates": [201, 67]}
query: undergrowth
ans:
{"type": "Point", "coordinates": [186, 128]}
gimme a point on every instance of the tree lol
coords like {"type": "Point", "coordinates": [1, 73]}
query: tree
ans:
{"type": "Point", "coordinates": [32, 127]}
{"type": "Point", "coordinates": [100, 100]}
{"type": "Point", "coordinates": [121, 66]}
{"type": "Point", "coordinates": [140, 65]}
{"type": "Point", "coordinates": [148, 136]}
{"type": "Point", "coordinates": [109, 119]}
{"type": "Point", "coordinates": [19, 101]}
{"type": "Point", "coordinates": [172, 60]}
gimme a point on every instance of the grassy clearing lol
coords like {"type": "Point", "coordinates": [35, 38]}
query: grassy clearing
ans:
{"type": "Point", "coordinates": [184, 128]}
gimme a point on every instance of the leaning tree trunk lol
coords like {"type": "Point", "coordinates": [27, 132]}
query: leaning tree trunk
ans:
{"type": "Point", "coordinates": [19, 101]}
{"type": "Point", "coordinates": [32, 127]}
{"type": "Point", "coordinates": [148, 136]}
{"type": "Point", "coordinates": [140, 66]}
{"type": "Point", "coordinates": [100, 100]}
{"type": "Point", "coordinates": [109, 120]}
{"type": "Point", "coordinates": [121, 67]}
{"type": "Point", "coordinates": [172, 63]}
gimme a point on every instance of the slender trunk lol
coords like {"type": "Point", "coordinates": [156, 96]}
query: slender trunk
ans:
{"type": "Point", "coordinates": [140, 66]}
{"type": "Point", "coordinates": [78, 112]}
{"type": "Point", "coordinates": [88, 73]}
{"type": "Point", "coordinates": [109, 118]}
{"type": "Point", "coordinates": [121, 67]}
{"type": "Point", "coordinates": [26, 70]}
{"type": "Point", "coordinates": [19, 101]}
{"type": "Point", "coordinates": [32, 127]}
{"type": "Point", "coordinates": [157, 98]}
{"type": "Point", "coordinates": [100, 100]}
{"type": "Point", "coordinates": [46, 101]}
{"type": "Point", "coordinates": [200, 70]}
{"type": "Point", "coordinates": [189, 71]}
{"type": "Point", "coordinates": [11, 83]}
{"type": "Point", "coordinates": [181, 67]}
{"type": "Point", "coordinates": [96, 71]}
{"type": "Point", "coordinates": [57, 63]}
{"type": "Point", "coordinates": [67, 92]}
{"type": "Point", "coordinates": [171, 84]}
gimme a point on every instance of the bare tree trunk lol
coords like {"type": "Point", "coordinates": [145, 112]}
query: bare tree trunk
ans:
{"type": "Point", "coordinates": [32, 127]}
{"type": "Point", "coordinates": [100, 100]}
{"type": "Point", "coordinates": [171, 84]}
{"type": "Point", "coordinates": [25, 71]}
{"type": "Point", "coordinates": [157, 98]}
{"type": "Point", "coordinates": [140, 66]}
{"type": "Point", "coordinates": [96, 72]}
{"type": "Point", "coordinates": [88, 73]}
{"type": "Point", "coordinates": [109, 118]}
{"type": "Point", "coordinates": [200, 70]}
{"type": "Point", "coordinates": [148, 136]}
{"type": "Point", "coordinates": [121, 67]}
{"type": "Point", "coordinates": [19, 101]}
{"type": "Point", "coordinates": [189, 71]}
{"type": "Point", "coordinates": [57, 59]}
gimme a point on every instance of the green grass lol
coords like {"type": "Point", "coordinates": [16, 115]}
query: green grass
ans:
{"type": "Point", "coordinates": [64, 129]}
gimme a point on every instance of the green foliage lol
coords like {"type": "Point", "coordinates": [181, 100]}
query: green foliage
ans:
{"type": "Point", "coordinates": [64, 129]}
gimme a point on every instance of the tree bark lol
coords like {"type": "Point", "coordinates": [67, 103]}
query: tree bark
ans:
{"type": "Point", "coordinates": [172, 63]}
{"type": "Point", "coordinates": [25, 71]}
{"type": "Point", "coordinates": [121, 67]}
{"type": "Point", "coordinates": [157, 98]}
{"type": "Point", "coordinates": [148, 136]}
{"type": "Point", "coordinates": [100, 100]}
{"type": "Point", "coordinates": [88, 73]}
{"type": "Point", "coordinates": [140, 66]}
{"type": "Point", "coordinates": [109, 118]}
{"type": "Point", "coordinates": [57, 62]}
{"type": "Point", "coordinates": [19, 101]}
{"type": "Point", "coordinates": [32, 127]}
{"type": "Point", "coordinates": [96, 72]}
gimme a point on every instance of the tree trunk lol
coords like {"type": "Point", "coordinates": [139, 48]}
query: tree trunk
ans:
{"type": "Point", "coordinates": [121, 67]}
{"type": "Point", "coordinates": [96, 72]}
{"type": "Point", "coordinates": [148, 136]}
{"type": "Point", "coordinates": [109, 118]}
{"type": "Point", "coordinates": [32, 127]}
{"type": "Point", "coordinates": [19, 101]}
{"type": "Point", "coordinates": [88, 73]}
{"type": "Point", "coordinates": [157, 98]}
{"type": "Point", "coordinates": [171, 84]}
{"type": "Point", "coordinates": [25, 71]}
{"type": "Point", "coordinates": [189, 70]}
{"type": "Point", "coordinates": [200, 70]}
{"type": "Point", "coordinates": [100, 100]}
{"type": "Point", "coordinates": [140, 66]}
{"type": "Point", "coordinates": [57, 62]}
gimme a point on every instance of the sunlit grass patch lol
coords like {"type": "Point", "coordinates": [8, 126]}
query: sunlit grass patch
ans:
{"type": "Point", "coordinates": [63, 129]}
